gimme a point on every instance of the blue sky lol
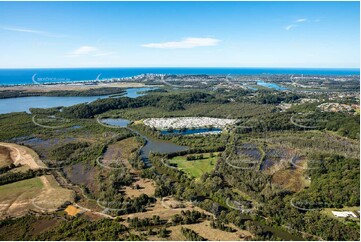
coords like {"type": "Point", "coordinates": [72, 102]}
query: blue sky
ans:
{"type": "Point", "coordinates": [184, 34]}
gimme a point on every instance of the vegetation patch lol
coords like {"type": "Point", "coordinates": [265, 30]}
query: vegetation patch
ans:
{"type": "Point", "coordinates": [207, 232]}
{"type": "Point", "coordinates": [292, 178]}
{"type": "Point", "coordinates": [195, 165]}
{"type": "Point", "coordinates": [121, 152]}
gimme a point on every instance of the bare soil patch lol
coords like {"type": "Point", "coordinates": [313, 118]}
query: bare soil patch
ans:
{"type": "Point", "coordinates": [23, 155]}
{"type": "Point", "coordinates": [146, 186]}
{"type": "Point", "coordinates": [72, 210]}
{"type": "Point", "coordinates": [52, 196]}
{"type": "Point", "coordinates": [164, 211]}
{"type": "Point", "coordinates": [5, 158]}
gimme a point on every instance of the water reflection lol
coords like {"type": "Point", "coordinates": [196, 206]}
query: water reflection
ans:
{"type": "Point", "coordinates": [23, 104]}
{"type": "Point", "coordinates": [151, 145]}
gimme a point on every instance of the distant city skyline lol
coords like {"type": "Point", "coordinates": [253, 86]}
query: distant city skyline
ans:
{"type": "Point", "coordinates": [179, 34]}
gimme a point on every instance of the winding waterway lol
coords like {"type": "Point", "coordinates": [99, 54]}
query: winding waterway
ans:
{"type": "Point", "coordinates": [151, 145]}
{"type": "Point", "coordinates": [271, 85]}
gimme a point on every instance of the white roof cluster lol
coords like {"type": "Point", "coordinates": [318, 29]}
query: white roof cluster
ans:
{"type": "Point", "coordinates": [187, 122]}
{"type": "Point", "coordinates": [344, 214]}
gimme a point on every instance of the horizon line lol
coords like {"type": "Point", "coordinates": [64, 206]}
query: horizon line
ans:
{"type": "Point", "coordinates": [190, 67]}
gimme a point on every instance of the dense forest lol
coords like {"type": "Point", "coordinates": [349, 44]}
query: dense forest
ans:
{"type": "Point", "coordinates": [69, 93]}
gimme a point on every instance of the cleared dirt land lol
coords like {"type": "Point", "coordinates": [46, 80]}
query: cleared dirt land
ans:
{"type": "Point", "coordinates": [5, 158]}
{"type": "Point", "coordinates": [145, 186]}
{"type": "Point", "coordinates": [40, 193]}
{"type": "Point", "coordinates": [72, 210]}
{"type": "Point", "coordinates": [164, 211]}
{"type": "Point", "coordinates": [21, 155]}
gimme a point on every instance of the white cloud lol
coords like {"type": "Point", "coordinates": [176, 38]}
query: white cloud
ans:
{"type": "Point", "coordinates": [301, 20]}
{"type": "Point", "coordinates": [89, 51]}
{"type": "Point", "coordinates": [32, 31]}
{"type": "Point", "coordinates": [23, 30]}
{"type": "Point", "coordinates": [184, 44]}
{"type": "Point", "coordinates": [83, 50]}
{"type": "Point", "coordinates": [289, 27]}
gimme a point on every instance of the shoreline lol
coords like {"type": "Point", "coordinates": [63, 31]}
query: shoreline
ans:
{"type": "Point", "coordinates": [78, 86]}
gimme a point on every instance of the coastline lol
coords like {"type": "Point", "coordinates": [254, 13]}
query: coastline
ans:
{"type": "Point", "coordinates": [74, 86]}
{"type": "Point", "coordinates": [28, 76]}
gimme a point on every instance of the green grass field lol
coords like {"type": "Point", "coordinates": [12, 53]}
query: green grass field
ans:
{"type": "Point", "coordinates": [26, 189]}
{"type": "Point", "coordinates": [18, 197]}
{"type": "Point", "coordinates": [195, 168]}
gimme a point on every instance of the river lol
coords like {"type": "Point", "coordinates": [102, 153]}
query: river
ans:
{"type": "Point", "coordinates": [151, 145]}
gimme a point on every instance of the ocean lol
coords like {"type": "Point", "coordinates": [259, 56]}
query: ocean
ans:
{"type": "Point", "coordinates": [56, 75]}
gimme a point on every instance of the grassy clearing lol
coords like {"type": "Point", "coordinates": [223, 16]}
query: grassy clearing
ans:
{"type": "Point", "coordinates": [163, 209]}
{"type": "Point", "coordinates": [53, 195]}
{"type": "Point", "coordinates": [15, 189]}
{"type": "Point", "coordinates": [141, 186]}
{"type": "Point", "coordinates": [195, 168]}
{"type": "Point", "coordinates": [15, 198]}
{"type": "Point", "coordinates": [18, 197]}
